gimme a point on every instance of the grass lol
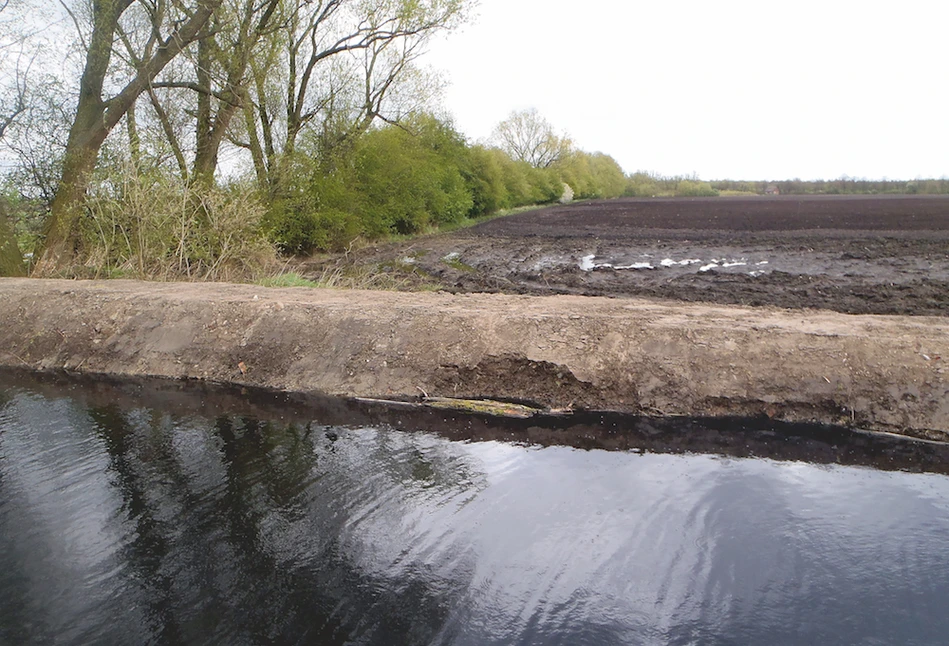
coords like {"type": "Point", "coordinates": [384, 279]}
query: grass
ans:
{"type": "Point", "coordinates": [448, 227]}
{"type": "Point", "coordinates": [388, 276]}
{"type": "Point", "coordinates": [385, 277]}
{"type": "Point", "coordinates": [290, 279]}
{"type": "Point", "coordinates": [470, 222]}
{"type": "Point", "coordinates": [453, 260]}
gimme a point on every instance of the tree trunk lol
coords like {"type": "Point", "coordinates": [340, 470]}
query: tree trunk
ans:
{"type": "Point", "coordinates": [205, 159]}
{"type": "Point", "coordinates": [135, 142]}
{"type": "Point", "coordinates": [253, 142]}
{"type": "Point", "coordinates": [82, 151]}
{"type": "Point", "coordinates": [86, 135]}
{"type": "Point", "coordinates": [210, 136]}
{"type": "Point", "coordinates": [204, 121]}
{"type": "Point", "coordinates": [96, 117]}
{"type": "Point", "coordinates": [11, 261]}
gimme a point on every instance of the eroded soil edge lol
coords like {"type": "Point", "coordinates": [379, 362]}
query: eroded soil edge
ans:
{"type": "Point", "coordinates": [884, 373]}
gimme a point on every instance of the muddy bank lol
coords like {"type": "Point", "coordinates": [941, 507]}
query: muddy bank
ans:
{"type": "Point", "coordinates": [873, 372]}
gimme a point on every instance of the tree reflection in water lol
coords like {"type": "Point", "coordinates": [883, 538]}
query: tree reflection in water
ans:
{"type": "Point", "coordinates": [271, 531]}
{"type": "Point", "coordinates": [127, 520]}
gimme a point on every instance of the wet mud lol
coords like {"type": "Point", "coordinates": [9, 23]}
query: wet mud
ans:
{"type": "Point", "coordinates": [850, 254]}
{"type": "Point", "coordinates": [735, 436]}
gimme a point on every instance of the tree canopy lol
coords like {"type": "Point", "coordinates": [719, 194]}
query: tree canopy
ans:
{"type": "Point", "coordinates": [157, 132]}
{"type": "Point", "coordinates": [527, 136]}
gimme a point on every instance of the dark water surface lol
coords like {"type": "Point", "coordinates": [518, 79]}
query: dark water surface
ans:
{"type": "Point", "coordinates": [126, 523]}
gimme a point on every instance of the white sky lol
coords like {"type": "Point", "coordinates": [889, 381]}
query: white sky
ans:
{"type": "Point", "coordinates": [733, 89]}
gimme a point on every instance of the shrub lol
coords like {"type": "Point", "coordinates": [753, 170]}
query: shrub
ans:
{"type": "Point", "coordinates": [695, 188]}
{"type": "Point", "coordinates": [608, 177]}
{"type": "Point", "coordinates": [158, 227]}
{"type": "Point", "coordinates": [293, 229]}
{"type": "Point", "coordinates": [484, 175]}
{"type": "Point", "coordinates": [413, 177]}
{"type": "Point", "coordinates": [642, 185]}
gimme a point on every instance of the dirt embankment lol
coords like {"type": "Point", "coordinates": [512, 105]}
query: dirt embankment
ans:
{"type": "Point", "coordinates": [874, 372]}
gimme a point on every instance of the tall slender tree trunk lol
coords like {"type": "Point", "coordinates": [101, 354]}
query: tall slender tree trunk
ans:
{"type": "Point", "coordinates": [11, 260]}
{"type": "Point", "coordinates": [211, 134]}
{"type": "Point", "coordinates": [204, 121]}
{"type": "Point", "coordinates": [95, 118]}
{"type": "Point", "coordinates": [86, 136]}
{"type": "Point", "coordinates": [135, 141]}
{"type": "Point", "coordinates": [206, 157]}
{"type": "Point", "coordinates": [82, 151]}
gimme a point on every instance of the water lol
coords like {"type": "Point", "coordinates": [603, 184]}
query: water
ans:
{"type": "Point", "coordinates": [125, 522]}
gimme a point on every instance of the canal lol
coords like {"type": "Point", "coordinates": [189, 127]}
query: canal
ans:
{"type": "Point", "coordinates": [163, 513]}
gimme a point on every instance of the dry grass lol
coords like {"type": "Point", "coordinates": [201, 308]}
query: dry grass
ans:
{"type": "Point", "coordinates": [162, 229]}
{"type": "Point", "coordinates": [346, 274]}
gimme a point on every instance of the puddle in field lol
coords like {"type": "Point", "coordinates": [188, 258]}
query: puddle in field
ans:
{"type": "Point", "coordinates": [590, 263]}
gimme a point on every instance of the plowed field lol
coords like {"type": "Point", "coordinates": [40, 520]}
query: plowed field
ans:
{"type": "Point", "coordinates": [852, 254]}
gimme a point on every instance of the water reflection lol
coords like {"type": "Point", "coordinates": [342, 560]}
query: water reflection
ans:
{"type": "Point", "coordinates": [123, 523]}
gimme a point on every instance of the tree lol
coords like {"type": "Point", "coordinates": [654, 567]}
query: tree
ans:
{"type": "Point", "coordinates": [527, 136]}
{"type": "Point", "coordinates": [332, 70]}
{"type": "Point", "coordinates": [16, 61]}
{"type": "Point", "coordinates": [97, 115]}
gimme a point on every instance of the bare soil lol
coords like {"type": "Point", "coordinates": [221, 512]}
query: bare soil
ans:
{"type": "Point", "coordinates": [850, 254]}
{"type": "Point", "coordinates": [568, 353]}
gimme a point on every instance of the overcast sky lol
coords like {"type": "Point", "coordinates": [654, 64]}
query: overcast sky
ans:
{"type": "Point", "coordinates": [730, 89]}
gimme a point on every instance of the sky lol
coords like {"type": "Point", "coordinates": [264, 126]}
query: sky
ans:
{"type": "Point", "coordinates": [732, 89]}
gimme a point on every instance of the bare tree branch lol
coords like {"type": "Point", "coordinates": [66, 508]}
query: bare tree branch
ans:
{"type": "Point", "coordinates": [75, 21]}
{"type": "Point", "coordinates": [200, 89]}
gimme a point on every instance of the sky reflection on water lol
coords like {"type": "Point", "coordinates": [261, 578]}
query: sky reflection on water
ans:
{"type": "Point", "coordinates": [125, 524]}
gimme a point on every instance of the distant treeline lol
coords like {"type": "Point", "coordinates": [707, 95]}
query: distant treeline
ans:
{"type": "Point", "coordinates": [842, 186]}
{"type": "Point", "coordinates": [643, 184]}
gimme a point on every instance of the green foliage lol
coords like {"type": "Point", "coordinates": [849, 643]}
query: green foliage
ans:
{"type": "Point", "coordinates": [695, 188]}
{"type": "Point", "coordinates": [485, 176]}
{"type": "Point", "coordinates": [608, 176]}
{"type": "Point", "coordinates": [592, 175]}
{"type": "Point", "coordinates": [24, 215]}
{"type": "Point", "coordinates": [404, 179]}
{"type": "Point", "coordinates": [412, 178]}
{"type": "Point", "coordinates": [545, 186]}
{"type": "Point", "coordinates": [642, 184]}
{"type": "Point", "coordinates": [524, 184]}
{"type": "Point", "coordinates": [415, 177]}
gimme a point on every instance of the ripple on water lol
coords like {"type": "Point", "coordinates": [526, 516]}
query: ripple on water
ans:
{"type": "Point", "coordinates": [130, 523]}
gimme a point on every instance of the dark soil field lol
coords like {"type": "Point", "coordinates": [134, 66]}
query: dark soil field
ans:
{"type": "Point", "coordinates": [851, 254]}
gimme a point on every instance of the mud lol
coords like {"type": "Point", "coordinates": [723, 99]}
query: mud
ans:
{"type": "Point", "coordinates": [759, 437]}
{"type": "Point", "coordinates": [850, 254]}
{"type": "Point", "coordinates": [570, 353]}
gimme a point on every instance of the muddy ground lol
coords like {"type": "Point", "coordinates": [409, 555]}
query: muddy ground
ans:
{"type": "Point", "coordinates": [566, 353]}
{"type": "Point", "coordinates": [850, 254]}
